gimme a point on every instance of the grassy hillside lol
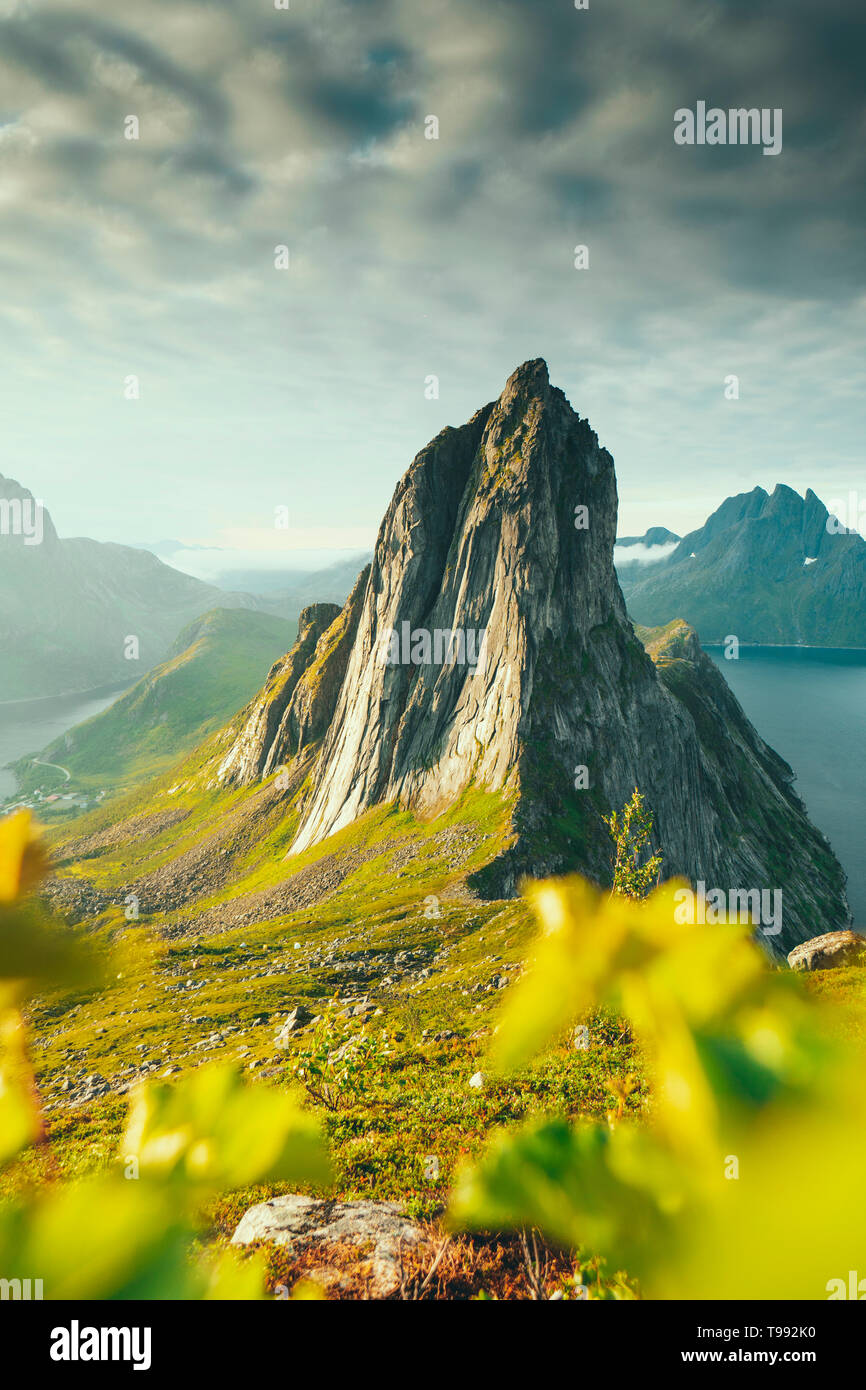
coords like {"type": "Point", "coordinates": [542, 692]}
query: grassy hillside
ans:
{"type": "Point", "coordinates": [374, 932]}
{"type": "Point", "coordinates": [217, 663]}
{"type": "Point", "coordinates": [218, 936]}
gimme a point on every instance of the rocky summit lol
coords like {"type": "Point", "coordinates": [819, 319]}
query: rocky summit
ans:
{"type": "Point", "coordinates": [488, 646]}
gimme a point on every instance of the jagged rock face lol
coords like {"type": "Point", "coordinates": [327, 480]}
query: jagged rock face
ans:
{"type": "Point", "coordinates": [297, 704]}
{"type": "Point", "coordinates": [472, 543]}
{"type": "Point", "coordinates": [308, 714]}
{"type": "Point", "coordinates": [482, 535]}
{"type": "Point", "coordinates": [247, 756]}
{"type": "Point", "coordinates": [762, 836]}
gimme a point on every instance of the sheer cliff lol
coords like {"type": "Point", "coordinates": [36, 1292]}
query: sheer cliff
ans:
{"type": "Point", "coordinates": [488, 645]}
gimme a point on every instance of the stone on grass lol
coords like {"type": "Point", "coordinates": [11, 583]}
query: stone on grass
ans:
{"type": "Point", "coordinates": [825, 952]}
{"type": "Point", "coordinates": [379, 1229]}
{"type": "Point", "coordinates": [297, 1019]}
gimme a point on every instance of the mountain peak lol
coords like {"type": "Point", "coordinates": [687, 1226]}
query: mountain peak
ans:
{"type": "Point", "coordinates": [488, 649]}
{"type": "Point", "coordinates": [530, 378]}
{"type": "Point", "coordinates": [24, 519]}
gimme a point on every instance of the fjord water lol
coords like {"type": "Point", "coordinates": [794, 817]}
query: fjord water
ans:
{"type": "Point", "coordinates": [809, 703]}
{"type": "Point", "coordinates": [26, 726]}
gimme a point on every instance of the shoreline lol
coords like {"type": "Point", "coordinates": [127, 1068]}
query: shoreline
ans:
{"type": "Point", "coordinates": [93, 693]}
{"type": "Point", "coordinates": [786, 646]}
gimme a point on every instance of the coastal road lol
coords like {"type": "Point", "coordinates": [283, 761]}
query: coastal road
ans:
{"type": "Point", "coordinates": [66, 773]}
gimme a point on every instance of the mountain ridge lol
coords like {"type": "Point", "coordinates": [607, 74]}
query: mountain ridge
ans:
{"type": "Point", "coordinates": [213, 665]}
{"type": "Point", "coordinates": [69, 606]}
{"type": "Point", "coordinates": [483, 532]}
{"type": "Point", "coordinates": [768, 568]}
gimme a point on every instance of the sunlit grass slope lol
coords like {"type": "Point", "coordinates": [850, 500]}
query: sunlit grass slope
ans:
{"type": "Point", "coordinates": [218, 662]}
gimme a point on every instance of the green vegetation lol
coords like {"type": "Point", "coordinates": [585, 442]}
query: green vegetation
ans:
{"type": "Point", "coordinates": [128, 1231]}
{"type": "Point", "coordinates": [218, 663]}
{"type": "Point", "coordinates": [374, 934]}
{"type": "Point", "coordinates": [631, 833]}
{"type": "Point", "coordinates": [675, 640]}
{"type": "Point", "coordinates": [751, 1098]}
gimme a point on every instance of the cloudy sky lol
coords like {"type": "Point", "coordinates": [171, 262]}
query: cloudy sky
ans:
{"type": "Point", "coordinates": [411, 257]}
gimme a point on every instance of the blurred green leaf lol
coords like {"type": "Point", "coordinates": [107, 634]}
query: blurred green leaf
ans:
{"type": "Point", "coordinates": [103, 1239]}
{"type": "Point", "coordinates": [31, 949]}
{"type": "Point", "coordinates": [211, 1131]}
{"type": "Point", "coordinates": [19, 1118]}
{"type": "Point", "coordinates": [614, 1192]}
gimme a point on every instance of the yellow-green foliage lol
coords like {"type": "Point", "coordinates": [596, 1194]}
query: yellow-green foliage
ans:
{"type": "Point", "coordinates": [128, 1232]}
{"type": "Point", "coordinates": [630, 832]}
{"type": "Point", "coordinates": [720, 1195]}
{"type": "Point", "coordinates": [703, 1061]}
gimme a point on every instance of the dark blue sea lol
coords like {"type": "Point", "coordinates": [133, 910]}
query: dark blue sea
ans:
{"type": "Point", "coordinates": [809, 703]}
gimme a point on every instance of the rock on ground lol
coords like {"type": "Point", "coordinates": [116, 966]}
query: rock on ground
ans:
{"type": "Point", "coordinates": [832, 949]}
{"type": "Point", "coordinates": [297, 1019]}
{"type": "Point", "coordinates": [303, 1223]}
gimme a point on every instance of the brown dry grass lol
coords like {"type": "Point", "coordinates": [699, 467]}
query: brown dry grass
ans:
{"type": "Point", "coordinates": [443, 1267]}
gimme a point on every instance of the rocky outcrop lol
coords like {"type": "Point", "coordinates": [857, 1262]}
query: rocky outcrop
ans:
{"type": "Point", "coordinates": [245, 761]}
{"type": "Point", "coordinates": [297, 704]}
{"type": "Point", "coordinates": [763, 837]}
{"type": "Point", "coordinates": [308, 715]}
{"type": "Point", "coordinates": [826, 952]}
{"type": "Point", "coordinates": [499, 543]}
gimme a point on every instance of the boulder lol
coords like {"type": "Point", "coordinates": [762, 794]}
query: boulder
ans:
{"type": "Point", "coordinates": [298, 1018]}
{"type": "Point", "coordinates": [302, 1223]}
{"type": "Point", "coordinates": [828, 951]}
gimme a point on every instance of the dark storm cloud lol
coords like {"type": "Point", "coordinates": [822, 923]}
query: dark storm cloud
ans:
{"type": "Point", "coordinates": [208, 161]}
{"type": "Point", "coordinates": [25, 43]}
{"type": "Point", "coordinates": [49, 42]}
{"type": "Point", "coordinates": [356, 76]}
{"type": "Point", "coordinates": [359, 109]}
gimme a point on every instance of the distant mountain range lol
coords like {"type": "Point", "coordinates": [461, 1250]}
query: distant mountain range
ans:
{"type": "Point", "coordinates": [655, 536]}
{"type": "Point", "coordinates": [765, 568]}
{"type": "Point", "coordinates": [297, 589]}
{"type": "Point", "coordinates": [632, 554]}
{"type": "Point", "coordinates": [69, 609]}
